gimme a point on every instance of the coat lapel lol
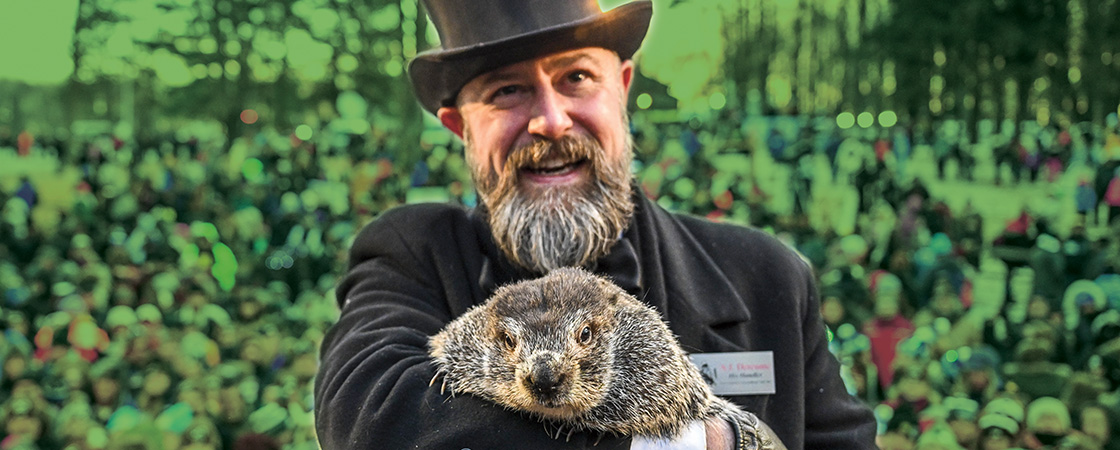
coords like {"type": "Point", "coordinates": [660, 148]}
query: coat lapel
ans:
{"type": "Point", "coordinates": [681, 280]}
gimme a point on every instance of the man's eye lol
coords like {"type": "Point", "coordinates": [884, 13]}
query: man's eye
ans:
{"type": "Point", "coordinates": [506, 90]}
{"type": "Point", "coordinates": [576, 77]}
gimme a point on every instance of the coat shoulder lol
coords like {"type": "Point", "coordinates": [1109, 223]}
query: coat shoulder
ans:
{"type": "Point", "coordinates": [731, 242]}
{"type": "Point", "coordinates": [414, 227]}
{"type": "Point", "coordinates": [417, 220]}
{"type": "Point", "coordinates": [421, 216]}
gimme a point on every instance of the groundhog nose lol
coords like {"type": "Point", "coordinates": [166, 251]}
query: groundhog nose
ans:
{"type": "Point", "coordinates": [543, 380]}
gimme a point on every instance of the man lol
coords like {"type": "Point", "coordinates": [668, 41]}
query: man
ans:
{"type": "Point", "coordinates": [537, 90]}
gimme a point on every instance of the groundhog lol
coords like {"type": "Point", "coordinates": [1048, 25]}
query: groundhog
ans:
{"type": "Point", "coordinates": [575, 349]}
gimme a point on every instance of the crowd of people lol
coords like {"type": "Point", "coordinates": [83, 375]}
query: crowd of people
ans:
{"type": "Point", "coordinates": [168, 294]}
{"type": "Point", "coordinates": [172, 293]}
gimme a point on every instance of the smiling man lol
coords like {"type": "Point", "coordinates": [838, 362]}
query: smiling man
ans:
{"type": "Point", "coordinates": [537, 91]}
{"type": "Point", "coordinates": [549, 146]}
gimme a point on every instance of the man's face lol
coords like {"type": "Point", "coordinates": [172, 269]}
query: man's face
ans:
{"type": "Point", "coordinates": [894, 441]}
{"type": "Point", "coordinates": [886, 307]}
{"type": "Point", "coordinates": [832, 310]}
{"type": "Point", "coordinates": [1049, 423]}
{"type": "Point", "coordinates": [1094, 422]}
{"type": "Point", "coordinates": [966, 431]}
{"type": "Point", "coordinates": [549, 147]}
{"type": "Point", "coordinates": [996, 440]}
{"type": "Point", "coordinates": [105, 390]}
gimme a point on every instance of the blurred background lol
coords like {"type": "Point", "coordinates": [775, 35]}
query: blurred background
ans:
{"type": "Point", "coordinates": [180, 181]}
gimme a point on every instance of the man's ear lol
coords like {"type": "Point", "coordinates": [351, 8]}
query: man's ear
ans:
{"type": "Point", "coordinates": [452, 119]}
{"type": "Point", "coordinates": [627, 76]}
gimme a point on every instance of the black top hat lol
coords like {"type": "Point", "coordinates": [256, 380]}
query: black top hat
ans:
{"type": "Point", "coordinates": [478, 36]}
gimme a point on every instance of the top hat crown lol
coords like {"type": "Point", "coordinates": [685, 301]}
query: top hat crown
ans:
{"type": "Point", "coordinates": [478, 36]}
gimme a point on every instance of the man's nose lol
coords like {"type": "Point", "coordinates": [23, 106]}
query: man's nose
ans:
{"type": "Point", "coordinates": [550, 118]}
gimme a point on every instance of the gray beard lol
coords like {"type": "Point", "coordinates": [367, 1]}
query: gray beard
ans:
{"type": "Point", "coordinates": [541, 229]}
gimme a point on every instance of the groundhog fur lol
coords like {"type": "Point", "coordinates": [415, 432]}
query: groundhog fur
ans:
{"type": "Point", "coordinates": [577, 350]}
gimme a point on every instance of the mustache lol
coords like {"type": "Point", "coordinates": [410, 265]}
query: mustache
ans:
{"type": "Point", "coordinates": [568, 148]}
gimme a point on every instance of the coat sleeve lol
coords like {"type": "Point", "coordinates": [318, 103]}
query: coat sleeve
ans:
{"type": "Point", "coordinates": [834, 419]}
{"type": "Point", "coordinates": [372, 389]}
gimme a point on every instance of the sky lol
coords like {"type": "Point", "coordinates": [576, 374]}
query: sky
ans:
{"type": "Point", "coordinates": [35, 40]}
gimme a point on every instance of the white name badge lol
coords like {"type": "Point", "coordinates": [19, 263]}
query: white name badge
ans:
{"type": "Point", "coordinates": [737, 373]}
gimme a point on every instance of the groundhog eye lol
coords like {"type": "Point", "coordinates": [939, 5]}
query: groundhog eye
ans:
{"type": "Point", "coordinates": [508, 340]}
{"type": "Point", "coordinates": [585, 335]}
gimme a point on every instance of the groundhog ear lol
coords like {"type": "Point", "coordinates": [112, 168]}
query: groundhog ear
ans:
{"type": "Point", "coordinates": [619, 298]}
{"type": "Point", "coordinates": [605, 284]}
{"type": "Point", "coordinates": [616, 292]}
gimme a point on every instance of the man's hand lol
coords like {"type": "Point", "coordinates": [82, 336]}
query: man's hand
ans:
{"type": "Point", "coordinates": [719, 434]}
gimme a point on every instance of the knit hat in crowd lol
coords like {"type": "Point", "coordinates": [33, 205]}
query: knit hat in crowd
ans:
{"type": "Point", "coordinates": [995, 420]}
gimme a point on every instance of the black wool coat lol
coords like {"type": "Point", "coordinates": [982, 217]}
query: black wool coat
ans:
{"type": "Point", "coordinates": [722, 288]}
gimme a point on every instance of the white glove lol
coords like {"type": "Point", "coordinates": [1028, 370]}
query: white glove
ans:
{"type": "Point", "coordinates": [692, 438]}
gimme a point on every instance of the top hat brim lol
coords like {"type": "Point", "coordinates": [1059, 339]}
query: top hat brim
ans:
{"type": "Point", "coordinates": [437, 75]}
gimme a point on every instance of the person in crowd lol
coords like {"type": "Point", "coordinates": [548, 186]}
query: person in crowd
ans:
{"type": "Point", "coordinates": [963, 420]}
{"type": "Point", "coordinates": [1048, 422]}
{"type": "Point", "coordinates": [1097, 423]}
{"type": "Point", "coordinates": [997, 432]}
{"type": "Point", "coordinates": [886, 330]}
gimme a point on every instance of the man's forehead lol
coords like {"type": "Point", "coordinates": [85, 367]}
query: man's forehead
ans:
{"type": "Point", "coordinates": [594, 55]}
